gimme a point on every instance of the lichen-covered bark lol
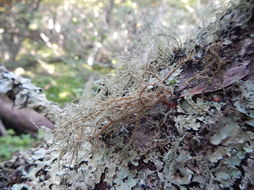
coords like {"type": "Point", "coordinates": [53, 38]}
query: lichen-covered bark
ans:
{"type": "Point", "coordinates": [200, 138]}
{"type": "Point", "coordinates": [24, 94]}
{"type": "Point", "coordinates": [22, 106]}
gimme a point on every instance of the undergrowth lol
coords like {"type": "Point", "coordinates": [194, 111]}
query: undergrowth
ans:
{"type": "Point", "coordinates": [12, 143]}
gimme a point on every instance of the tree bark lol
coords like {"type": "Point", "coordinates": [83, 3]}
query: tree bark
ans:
{"type": "Point", "coordinates": [14, 35]}
{"type": "Point", "coordinates": [200, 138]}
{"type": "Point", "coordinates": [21, 120]}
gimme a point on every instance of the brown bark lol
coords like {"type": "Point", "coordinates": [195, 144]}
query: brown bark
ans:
{"type": "Point", "coordinates": [21, 120]}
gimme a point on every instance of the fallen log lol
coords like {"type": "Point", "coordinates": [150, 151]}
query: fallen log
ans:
{"type": "Point", "coordinates": [182, 121]}
{"type": "Point", "coordinates": [21, 120]}
{"type": "Point", "coordinates": [23, 107]}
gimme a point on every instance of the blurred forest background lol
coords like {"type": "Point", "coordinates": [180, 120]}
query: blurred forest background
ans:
{"type": "Point", "coordinates": [61, 44]}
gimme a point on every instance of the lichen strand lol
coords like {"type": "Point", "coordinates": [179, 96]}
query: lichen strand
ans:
{"type": "Point", "coordinates": [184, 125]}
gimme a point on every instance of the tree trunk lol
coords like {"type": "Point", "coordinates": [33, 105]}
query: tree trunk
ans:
{"type": "Point", "coordinates": [15, 26]}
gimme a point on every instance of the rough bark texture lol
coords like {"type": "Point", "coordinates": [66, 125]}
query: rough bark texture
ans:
{"type": "Point", "coordinates": [202, 138]}
{"type": "Point", "coordinates": [21, 120]}
{"type": "Point", "coordinates": [22, 106]}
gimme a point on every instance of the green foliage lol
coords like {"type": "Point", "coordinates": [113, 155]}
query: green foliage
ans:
{"type": "Point", "coordinates": [11, 143]}
{"type": "Point", "coordinates": [172, 82]}
{"type": "Point", "coordinates": [74, 31]}
{"type": "Point", "coordinates": [64, 86]}
{"type": "Point", "coordinates": [61, 90]}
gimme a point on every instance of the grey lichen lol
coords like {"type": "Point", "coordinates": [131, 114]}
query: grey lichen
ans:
{"type": "Point", "coordinates": [245, 103]}
{"type": "Point", "coordinates": [148, 132]}
{"type": "Point", "coordinates": [25, 94]}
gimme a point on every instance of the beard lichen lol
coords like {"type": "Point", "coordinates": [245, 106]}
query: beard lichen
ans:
{"type": "Point", "coordinates": [150, 119]}
{"type": "Point", "coordinates": [156, 124]}
{"type": "Point", "coordinates": [138, 87]}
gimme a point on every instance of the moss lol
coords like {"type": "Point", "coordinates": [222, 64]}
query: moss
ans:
{"type": "Point", "coordinates": [11, 144]}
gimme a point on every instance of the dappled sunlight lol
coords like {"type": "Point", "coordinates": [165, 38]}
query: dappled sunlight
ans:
{"type": "Point", "coordinates": [87, 36]}
{"type": "Point", "coordinates": [47, 67]}
{"type": "Point", "coordinates": [19, 71]}
{"type": "Point", "coordinates": [64, 94]}
{"type": "Point", "coordinates": [88, 67]}
{"type": "Point", "coordinates": [90, 61]}
{"type": "Point", "coordinates": [136, 94]}
{"type": "Point", "coordinates": [6, 56]}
